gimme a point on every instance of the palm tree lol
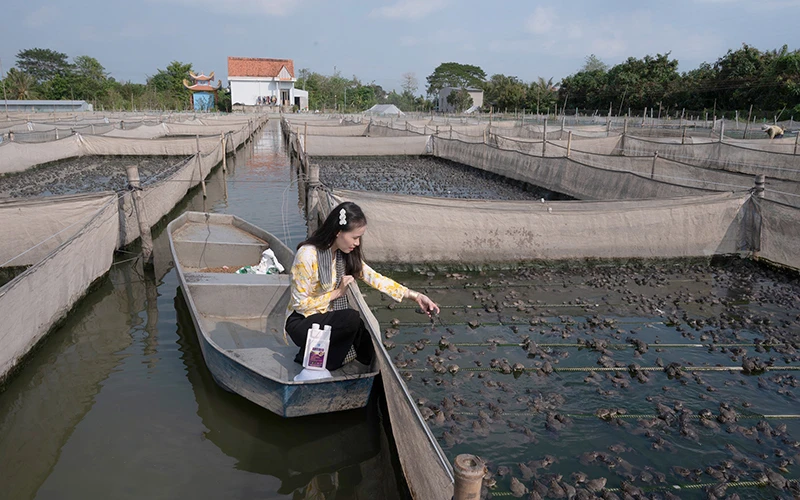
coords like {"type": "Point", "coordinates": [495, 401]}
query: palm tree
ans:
{"type": "Point", "coordinates": [20, 84]}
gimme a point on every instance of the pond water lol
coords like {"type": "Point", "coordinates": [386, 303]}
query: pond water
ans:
{"type": "Point", "coordinates": [118, 403]}
{"type": "Point", "coordinates": [646, 376]}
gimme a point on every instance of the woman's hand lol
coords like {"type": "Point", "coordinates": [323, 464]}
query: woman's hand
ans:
{"type": "Point", "coordinates": [427, 305]}
{"type": "Point", "coordinates": [342, 290]}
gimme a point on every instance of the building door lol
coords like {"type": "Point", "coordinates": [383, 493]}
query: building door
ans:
{"type": "Point", "coordinates": [285, 97]}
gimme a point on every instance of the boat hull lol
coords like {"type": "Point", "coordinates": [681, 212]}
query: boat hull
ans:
{"type": "Point", "coordinates": [239, 319]}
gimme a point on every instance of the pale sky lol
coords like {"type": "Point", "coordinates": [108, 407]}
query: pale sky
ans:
{"type": "Point", "coordinates": [380, 40]}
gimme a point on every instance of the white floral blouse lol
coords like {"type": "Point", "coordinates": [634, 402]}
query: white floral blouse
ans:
{"type": "Point", "coordinates": [308, 295]}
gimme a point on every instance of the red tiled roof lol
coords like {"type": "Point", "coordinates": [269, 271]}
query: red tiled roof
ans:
{"type": "Point", "coordinates": [255, 66]}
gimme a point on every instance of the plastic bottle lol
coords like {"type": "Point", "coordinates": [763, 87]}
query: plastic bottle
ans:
{"type": "Point", "coordinates": [315, 359]}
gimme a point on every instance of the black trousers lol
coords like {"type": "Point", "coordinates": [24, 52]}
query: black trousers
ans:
{"type": "Point", "coordinates": [347, 329]}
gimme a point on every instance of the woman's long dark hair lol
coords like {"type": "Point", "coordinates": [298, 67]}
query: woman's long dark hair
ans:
{"type": "Point", "coordinates": [326, 234]}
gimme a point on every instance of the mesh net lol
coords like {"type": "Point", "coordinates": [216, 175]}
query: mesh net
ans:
{"type": "Point", "coordinates": [67, 242]}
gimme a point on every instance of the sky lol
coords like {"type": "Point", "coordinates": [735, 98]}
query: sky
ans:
{"type": "Point", "coordinates": [379, 41]}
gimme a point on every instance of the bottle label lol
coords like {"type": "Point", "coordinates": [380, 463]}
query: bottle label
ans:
{"type": "Point", "coordinates": [316, 358]}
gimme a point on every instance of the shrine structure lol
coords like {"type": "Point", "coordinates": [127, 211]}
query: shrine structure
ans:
{"type": "Point", "coordinates": [203, 93]}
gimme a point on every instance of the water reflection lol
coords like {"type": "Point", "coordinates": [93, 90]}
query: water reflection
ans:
{"type": "Point", "coordinates": [117, 402]}
{"type": "Point", "coordinates": [338, 446]}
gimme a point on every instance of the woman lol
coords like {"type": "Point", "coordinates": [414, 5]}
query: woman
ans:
{"type": "Point", "coordinates": [325, 264]}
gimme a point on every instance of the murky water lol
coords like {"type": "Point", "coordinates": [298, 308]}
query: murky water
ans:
{"type": "Point", "coordinates": [549, 373]}
{"type": "Point", "coordinates": [425, 176]}
{"type": "Point", "coordinates": [118, 403]}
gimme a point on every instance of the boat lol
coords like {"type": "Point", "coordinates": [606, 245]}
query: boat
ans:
{"type": "Point", "coordinates": [239, 318]}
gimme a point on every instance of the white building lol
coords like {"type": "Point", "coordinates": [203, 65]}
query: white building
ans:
{"type": "Point", "coordinates": [446, 107]}
{"type": "Point", "coordinates": [256, 81]}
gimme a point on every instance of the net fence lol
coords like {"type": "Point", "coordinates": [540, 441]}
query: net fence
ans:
{"type": "Point", "coordinates": [63, 244]}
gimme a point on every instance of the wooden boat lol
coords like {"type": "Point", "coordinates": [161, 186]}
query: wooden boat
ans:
{"type": "Point", "coordinates": [239, 318]}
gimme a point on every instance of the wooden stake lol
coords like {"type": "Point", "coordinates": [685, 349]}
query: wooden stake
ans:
{"type": "Point", "coordinates": [760, 181]}
{"type": "Point", "coordinates": [544, 137]}
{"type": "Point", "coordinates": [224, 154]}
{"type": "Point", "coordinates": [747, 125]}
{"type": "Point", "coordinates": [144, 228]}
{"type": "Point", "coordinates": [200, 167]}
{"type": "Point", "coordinates": [653, 169]}
{"type": "Point", "coordinates": [569, 143]}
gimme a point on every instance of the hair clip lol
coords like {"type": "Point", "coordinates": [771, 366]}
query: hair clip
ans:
{"type": "Point", "coordinates": [342, 217]}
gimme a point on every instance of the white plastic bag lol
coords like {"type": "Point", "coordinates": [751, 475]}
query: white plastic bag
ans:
{"type": "Point", "coordinates": [269, 265]}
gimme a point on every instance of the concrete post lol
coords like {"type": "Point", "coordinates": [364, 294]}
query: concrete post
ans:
{"type": "Point", "coordinates": [134, 185]}
{"type": "Point", "coordinates": [722, 130]}
{"type": "Point", "coordinates": [795, 141]}
{"type": "Point", "coordinates": [759, 189]}
{"type": "Point", "coordinates": [313, 175]}
{"type": "Point", "coordinates": [305, 137]}
{"type": "Point", "coordinates": [468, 471]}
{"type": "Point", "coordinates": [683, 135]}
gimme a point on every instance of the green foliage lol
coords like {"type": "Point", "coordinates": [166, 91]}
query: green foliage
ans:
{"type": "Point", "coordinates": [19, 85]}
{"type": "Point", "coordinates": [769, 81]}
{"type": "Point", "coordinates": [451, 74]}
{"type": "Point", "coordinates": [42, 64]}
{"type": "Point", "coordinates": [169, 83]}
{"type": "Point", "coordinates": [593, 63]}
{"type": "Point", "coordinates": [504, 92]}
{"type": "Point", "coordinates": [460, 100]}
{"type": "Point", "coordinates": [542, 96]}
{"type": "Point", "coordinates": [224, 100]}
{"type": "Point", "coordinates": [335, 93]}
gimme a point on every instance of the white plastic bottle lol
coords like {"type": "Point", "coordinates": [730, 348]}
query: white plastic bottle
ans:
{"type": "Point", "coordinates": [315, 358]}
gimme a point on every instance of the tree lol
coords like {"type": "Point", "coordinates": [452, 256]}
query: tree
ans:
{"type": "Point", "coordinates": [410, 83]}
{"type": "Point", "coordinates": [542, 95]}
{"type": "Point", "coordinates": [170, 82]}
{"type": "Point", "coordinates": [19, 84]}
{"type": "Point", "coordinates": [504, 92]}
{"type": "Point", "coordinates": [453, 74]}
{"type": "Point", "coordinates": [90, 77]}
{"type": "Point", "coordinates": [593, 63]}
{"type": "Point", "coordinates": [42, 64]}
{"type": "Point", "coordinates": [460, 100]}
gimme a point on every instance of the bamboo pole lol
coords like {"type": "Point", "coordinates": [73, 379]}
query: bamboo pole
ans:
{"type": "Point", "coordinates": [134, 184]}
{"type": "Point", "coordinates": [200, 167]}
{"type": "Point", "coordinates": [760, 182]}
{"type": "Point", "coordinates": [653, 168]}
{"type": "Point", "coordinates": [544, 138]}
{"type": "Point", "coordinates": [747, 125]}
{"type": "Point", "coordinates": [569, 143]}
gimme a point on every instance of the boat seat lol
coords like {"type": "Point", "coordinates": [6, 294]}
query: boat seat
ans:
{"type": "Point", "coordinates": [198, 278]}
